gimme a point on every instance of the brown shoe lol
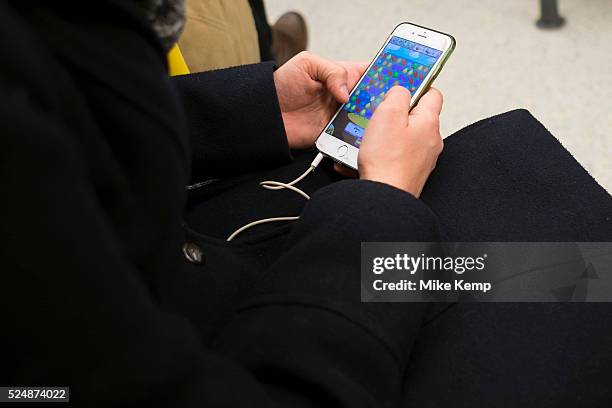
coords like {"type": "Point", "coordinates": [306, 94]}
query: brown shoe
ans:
{"type": "Point", "coordinates": [289, 37]}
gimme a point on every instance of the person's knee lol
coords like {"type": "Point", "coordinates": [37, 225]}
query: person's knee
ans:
{"type": "Point", "coordinates": [509, 134]}
{"type": "Point", "coordinates": [517, 124]}
{"type": "Point", "coordinates": [506, 123]}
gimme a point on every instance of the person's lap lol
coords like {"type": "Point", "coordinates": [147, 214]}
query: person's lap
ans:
{"type": "Point", "coordinates": [502, 179]}
{"type": "Point", "coordinates": [508, 179]}
{"type": "Point", "coordinates": [220, 283]}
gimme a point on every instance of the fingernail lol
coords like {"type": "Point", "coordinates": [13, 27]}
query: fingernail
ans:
{"type": "Point", "coordinates": [388, 91]}
{"type": "Point", "coordinates": [345, 91]}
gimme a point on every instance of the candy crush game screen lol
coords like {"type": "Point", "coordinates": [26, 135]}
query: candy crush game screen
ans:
{"type": "Point", "coordinates": [401, 62]}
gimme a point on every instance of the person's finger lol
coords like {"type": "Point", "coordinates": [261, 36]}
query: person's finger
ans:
{"type": "Point", "coordinates": [345, 171]}
{"type": "Point", "coordinates": [333, 75]}
{"type": "Point", "coordinates": [394, 106]}
{"type": "Point", "coordinates": [397, 96]}
{"type": "Point", "coordinates": [430, 103]}
{"type": "Point", "coordinates": [355, 71]}
{"type": "Point", "coordinates": [336, 81]}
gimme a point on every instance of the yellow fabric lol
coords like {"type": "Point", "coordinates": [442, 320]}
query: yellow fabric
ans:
{"type": "Point", "coordinates": [218, 34]}
{"type": "Point", "coordinates": [176, 62]}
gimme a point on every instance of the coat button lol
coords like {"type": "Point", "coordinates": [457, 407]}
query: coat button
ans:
{"type": "Point", "coordinates": [193, 253]}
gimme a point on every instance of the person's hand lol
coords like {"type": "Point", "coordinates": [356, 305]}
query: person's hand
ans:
{"type": "Point", "coordinates": [398, 148]}
{"type": "Point", "coordinates": [309, 89]}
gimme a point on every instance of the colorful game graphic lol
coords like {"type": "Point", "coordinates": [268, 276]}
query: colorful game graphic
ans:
{"type": "Point", "coordinates": [401, 62]}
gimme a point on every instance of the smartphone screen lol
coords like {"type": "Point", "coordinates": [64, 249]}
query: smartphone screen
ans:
{"type": "Point", "coordinates": [401, 62]}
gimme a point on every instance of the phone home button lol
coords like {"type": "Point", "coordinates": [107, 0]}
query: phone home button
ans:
{"type": "Point", "coordinates": [342, 150]}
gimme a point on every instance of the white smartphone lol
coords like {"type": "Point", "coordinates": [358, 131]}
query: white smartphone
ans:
{"type": "Point", "coordinates": [412, 56]}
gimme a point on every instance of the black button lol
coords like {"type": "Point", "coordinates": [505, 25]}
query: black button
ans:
{"type": "Point", "coordinates": [193, 253]}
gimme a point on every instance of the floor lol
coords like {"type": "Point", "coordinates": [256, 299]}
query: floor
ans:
{"type": "Point", "coordinates": [502, 61]}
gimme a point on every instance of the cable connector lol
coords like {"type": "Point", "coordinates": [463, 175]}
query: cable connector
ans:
{"type": "Point", "coordinates": [317, 160]}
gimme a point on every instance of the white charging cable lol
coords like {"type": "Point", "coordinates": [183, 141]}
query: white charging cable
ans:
{"type": "Point", "coordinates": [277, 185]}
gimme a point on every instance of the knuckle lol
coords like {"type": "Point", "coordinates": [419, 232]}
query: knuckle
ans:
{"type": "Point", "coordinates": [437, 92]}
{"type": "Point", "coordinates": [389, 108]}
{"type": "Point", "coordinates": [436, 143]}
{"type": "Point", "coordinates": [439, 145]}
{"type": "Point", "coordinates": [304, 55]}
{"type": "Point", "coordinates": [431, 120]}
{"type": "Point", "coordinates": [339, 71]}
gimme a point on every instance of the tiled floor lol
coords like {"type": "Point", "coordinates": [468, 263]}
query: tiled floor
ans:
{"type": "Point", "coordinates": [502, 60]}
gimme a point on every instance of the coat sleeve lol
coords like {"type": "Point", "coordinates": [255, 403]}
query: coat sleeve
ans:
{"type": "Point", "coordinates": [76, 311]}
{"type": "Point", "coordinates": [305, 324]}
{"type": "Point", "coordinates": [234, 120]}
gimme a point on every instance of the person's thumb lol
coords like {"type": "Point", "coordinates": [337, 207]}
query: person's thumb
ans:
{"type": "Point", "coordinates": [336, 83]}
{"type": "Point", "coordinates": [398, 95]}
{"type": "Point", "coordinates": [333, 75]}
{"type": "Point", "coordinates": [394, 106]}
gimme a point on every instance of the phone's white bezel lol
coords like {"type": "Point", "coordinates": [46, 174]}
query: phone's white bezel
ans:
{"type": "Point", "coordinates": [346, 153]}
